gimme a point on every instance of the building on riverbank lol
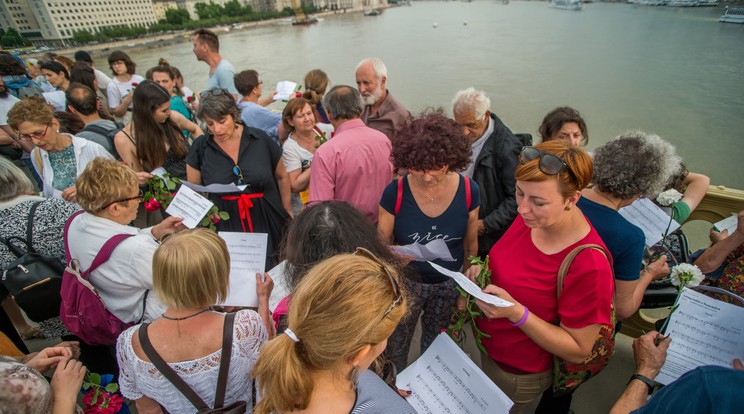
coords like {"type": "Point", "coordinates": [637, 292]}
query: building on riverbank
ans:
{"type": "Point", "coordinates": [52, 22]}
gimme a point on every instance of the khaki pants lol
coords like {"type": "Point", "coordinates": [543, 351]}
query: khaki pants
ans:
{"type": "Point", "coordinates": [522, 389]}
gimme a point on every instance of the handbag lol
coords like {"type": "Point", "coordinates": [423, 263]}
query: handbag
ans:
{"type": "Point", "coordinates": [33, 279]}
{"type": "Point", "coordinates": [567, 376]}
{"type": "Point", "coordinates": [238, 407]}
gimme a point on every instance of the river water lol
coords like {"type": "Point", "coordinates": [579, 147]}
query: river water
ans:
{"type": "Point", "coordinates": [676, 72]}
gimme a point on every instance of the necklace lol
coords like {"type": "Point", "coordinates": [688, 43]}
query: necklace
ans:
{"type": "Point", "coordinates": [431, 199]}
{"type": "Point", "coordinates": [612, 203]}
{"type": "Point", "coordinates": [184, 317]}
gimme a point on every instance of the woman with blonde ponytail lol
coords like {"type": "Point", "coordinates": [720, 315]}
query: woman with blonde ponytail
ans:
{"type": "Point", "coordinates": [342, 313]}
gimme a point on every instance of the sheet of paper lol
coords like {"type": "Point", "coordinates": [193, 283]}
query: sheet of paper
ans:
{"type": "Point", "coordinates": [160, 172]}
{"type": "Point", "coordinates": [435, 249]}
{"type": "Point", "coordinates": [247, 257]}
{"type": "Point", "coordinates": [445, 380]}
{"type": "Point", "coordinates": [215, 188]}
{"type": "Point", "coordinates": [285, 90]}
{"type": "Point", "coordinates": [190, 206]}
{"type": "Point", "coordinates": [729, 223]}
{"type": "Point", "coordinates": [471, 287]}
{"type": "Point", "coordinates": [650, 218]}
{"type": "Point", "coordinates": [281, 289]}
{"type": "Point", "coordinates": [704, 331]}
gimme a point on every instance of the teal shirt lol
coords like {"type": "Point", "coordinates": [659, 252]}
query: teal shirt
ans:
{"type": "Point", "coordinates": [177, 104]}
{"type": "Point", "coordinates": [64, 167]}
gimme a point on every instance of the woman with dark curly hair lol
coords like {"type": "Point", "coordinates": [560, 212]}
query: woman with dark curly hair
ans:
{"type": "Point", "coordinates": [564, 123]}
{"type": "Point", "coordinates": [433, 202]}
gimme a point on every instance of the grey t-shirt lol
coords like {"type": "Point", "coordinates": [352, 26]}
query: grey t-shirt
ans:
{"type": "Point", "coordinates": [375, 397]}
{"type": "Point", "coordinates": [98, 138]}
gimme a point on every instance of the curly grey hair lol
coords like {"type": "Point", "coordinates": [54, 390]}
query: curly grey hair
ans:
{"type": "Point", "coordinates": [634, 163]}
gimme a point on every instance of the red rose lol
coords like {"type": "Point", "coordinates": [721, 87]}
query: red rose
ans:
{"type": "Point", "coordinates": [298, 95]}
{"type": "Point", "coordinates": [215, 219]}
{"type": "Point", "coordinates": [190, 99]}
{"type": "Point", "coordinates": [89, 397]}
{"type": "Point", "coordinates": [152, 205]}
{"type": "Point", "coordinates": [134, 85]}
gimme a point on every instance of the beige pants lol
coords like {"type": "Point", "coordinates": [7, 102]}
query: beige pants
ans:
{"type": "Point", "coordinates": [522, 389]}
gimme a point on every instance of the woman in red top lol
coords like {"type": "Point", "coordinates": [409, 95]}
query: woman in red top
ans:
{"type": "Point", "coordinates": [524, 265]}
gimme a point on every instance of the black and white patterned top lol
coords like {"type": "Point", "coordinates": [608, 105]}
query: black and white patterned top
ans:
{"type": "Point", "coordinates": [47, 237]}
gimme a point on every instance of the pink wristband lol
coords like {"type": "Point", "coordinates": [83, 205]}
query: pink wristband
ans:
{"type": "Point", "coordinates": [524, 318]}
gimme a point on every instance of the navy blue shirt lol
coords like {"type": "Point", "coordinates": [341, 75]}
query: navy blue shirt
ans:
{"type": "Point", "coordinates": [412, 225]}
{"type": "Point", "coordinates": [623, 238]}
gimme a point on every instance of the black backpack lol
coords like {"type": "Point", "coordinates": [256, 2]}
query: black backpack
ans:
{"type": "Point", "coordinates": [108, 133]}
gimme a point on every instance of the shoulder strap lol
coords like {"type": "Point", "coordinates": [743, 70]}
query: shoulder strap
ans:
{"type": "Point", "coordinates": [37, 156]}
{"type": "Point", "coordinates": [105, 253]}
{"type": "Point", "coordinates": [167, 371]}
{"type": "Point", "coordinates": [129, 136]}
{"type": "Point", "coordinates": [96, 129]}
{"type": "Point", "coordinates": [227, 337]}
{"type": "Point", "coordinates": [563, 270]}
{"type": "Point", "coordinates": [64, 235]}
{"type": "Point", "coordinates": [468, 196]}
{"type": "Point", "coordinates": [399, 199]}
{"type": "Point", "coordinates": [30, 226]}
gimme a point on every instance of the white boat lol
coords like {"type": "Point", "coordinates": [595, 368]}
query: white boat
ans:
{"type": "Point", "coordinates": [372, 12]}
{"type": "Point", "coordinates": [651, 2]}
{"type": "Point", "coordinates": [566, 4]}
{"type": "Point", "coordinates": [733, 15]}
{"type": "Point", "coordinates": [683, 3]}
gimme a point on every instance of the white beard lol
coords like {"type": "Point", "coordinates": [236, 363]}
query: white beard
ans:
{"type": "Point", "coordinates": [373, 97]}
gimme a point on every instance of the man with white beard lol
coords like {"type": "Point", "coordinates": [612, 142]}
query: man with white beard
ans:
{"type": "Point", "coordinates": [382, 111]}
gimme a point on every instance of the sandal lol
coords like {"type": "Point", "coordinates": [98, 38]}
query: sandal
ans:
{"type": "Point", "coordinates": [32, 333]}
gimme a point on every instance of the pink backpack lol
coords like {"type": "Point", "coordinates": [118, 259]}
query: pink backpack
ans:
{"type": "Point", "coordinates": [82, 311]}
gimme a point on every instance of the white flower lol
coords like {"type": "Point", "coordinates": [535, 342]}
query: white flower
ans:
{"type": "Point", "coordinates": [669, 197]}
{"type": "Point", "coordinates": [686, 275]}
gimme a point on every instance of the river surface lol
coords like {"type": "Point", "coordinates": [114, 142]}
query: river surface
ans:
{"type": "Point", "coordinates": [676, 72]}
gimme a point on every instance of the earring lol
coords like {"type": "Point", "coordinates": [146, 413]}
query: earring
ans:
{"type": "Point", "coordinates": [567, 208]}
{"type": "Point", "coordinates": [354, 377]}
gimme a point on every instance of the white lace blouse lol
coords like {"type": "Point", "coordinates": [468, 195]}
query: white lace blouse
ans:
{"type": "Point", "coordinates": [138, 378]}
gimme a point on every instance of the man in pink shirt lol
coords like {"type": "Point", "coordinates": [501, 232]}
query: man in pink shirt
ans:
{"type": "Point", "coordinates": [355, 165]}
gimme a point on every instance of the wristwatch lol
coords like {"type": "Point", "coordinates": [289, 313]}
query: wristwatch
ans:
{"type": "Point", "coordinates": [646, 380]}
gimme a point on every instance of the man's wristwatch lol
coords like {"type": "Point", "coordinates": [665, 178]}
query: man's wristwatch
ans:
{"type": "Point", "coordinates": [646, 380]}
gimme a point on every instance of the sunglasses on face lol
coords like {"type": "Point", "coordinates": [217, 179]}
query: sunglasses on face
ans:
{"type": "Point", "coordinates": [139, 197]}
{"type": "Point", "coordinates": [360, 251]}
{"type": "Point", "coordinates": [549, 164]}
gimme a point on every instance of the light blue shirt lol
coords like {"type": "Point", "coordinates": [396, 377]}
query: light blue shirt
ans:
{"type": "Point", "coordinates": [223, 77]}
{"type": "Point", "coordinates": [256, 116]}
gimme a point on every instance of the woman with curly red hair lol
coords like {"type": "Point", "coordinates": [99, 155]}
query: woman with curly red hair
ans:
{"type": "Point", "coordinates": [433, 202]}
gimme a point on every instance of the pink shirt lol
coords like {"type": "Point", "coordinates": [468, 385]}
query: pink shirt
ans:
{"type": "Point", "coordinates": [354, 167]}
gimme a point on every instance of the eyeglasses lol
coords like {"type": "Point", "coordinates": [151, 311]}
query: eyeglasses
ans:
{"type": "Point", "coordinates": [238, 172]}
{"type": "Point", "coordinates": [214, 92]}
{"type": "Point", "coordinates": [33, 135]}
{"type": "Point", "coordinates": [549, 164]}
{"type": "Point", "coordinates": [361, 251]}
{"type": "Point", "coordinates": [139, 197]}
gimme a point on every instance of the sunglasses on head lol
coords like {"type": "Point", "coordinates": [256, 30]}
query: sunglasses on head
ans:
{"type": "Point", "coordinates": [214, 92]}
{"type": "Point", "coordinates": [549, 164]}
{"type": "Point", "coordinates": [361, 251]}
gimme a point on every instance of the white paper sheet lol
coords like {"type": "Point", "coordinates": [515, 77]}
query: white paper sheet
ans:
{"type": "Point", "coordinates": [729, 223]}
{"type": "Point", "coordinates": [471, 287]}
{"type": "Point", "coordinates": [281, 290]}
{"type": "Point", "coordinates": [247, 257]}
{"type": "Point", "coordinates": [215, 188]}
{"type": "Point", "coordinates": [160, 172]}
{"type": "Point", "coordinates": [445, 380]}
{"type": "Point", "coordinates": [650, 218]}
{"type": "Point", "coordinates": [285, 90]}
{"type": "Point", "coordinates": [704, 331]}
{"type": "Point", "coordinates": [435, 249]}
{"type": "Point", "coordinates": [190, 206]}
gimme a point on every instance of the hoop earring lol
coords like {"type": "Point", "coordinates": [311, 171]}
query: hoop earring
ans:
{"type": "Point", "coordinates": [354, 377]}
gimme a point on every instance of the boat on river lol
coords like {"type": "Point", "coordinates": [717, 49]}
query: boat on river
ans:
{"type": "Point", "coordinates": [733, 15]}
{"type": "Point", "coordinates": [566, 4]}
{"type": "Point", "coordinates": [372, 12]}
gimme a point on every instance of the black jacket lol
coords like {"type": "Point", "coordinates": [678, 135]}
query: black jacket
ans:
{"type": "Point", "coordinates": [494, 173]}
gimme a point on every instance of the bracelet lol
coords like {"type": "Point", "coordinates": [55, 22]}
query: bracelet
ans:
{"type": "Point", "coordinates": [646, 380]}
{"type": "Point", "coordinates": [524, 318]}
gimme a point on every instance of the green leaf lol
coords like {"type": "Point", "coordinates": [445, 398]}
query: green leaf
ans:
{"type": "Point", "coordinates": [112, 387]}
{"type": "Point", "coordinates": [94, 378]}
{"type": "Point", "coordinates": [224, 215]}
{"type": "Point", "coordinates": [94, 400]}
{"type": "Point", "coordinates": [87, 385]}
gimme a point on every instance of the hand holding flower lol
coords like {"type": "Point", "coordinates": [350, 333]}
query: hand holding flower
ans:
{"type": "Point", "coordinates": [659, 268]}
{"type": "Point", "coordinates": [650, 357]}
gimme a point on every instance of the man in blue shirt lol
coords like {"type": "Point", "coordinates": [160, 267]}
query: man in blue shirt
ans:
{"type": "Point", "coordinates": [221, 72]}
{"type": "Point", "coordinates": [252, 108]}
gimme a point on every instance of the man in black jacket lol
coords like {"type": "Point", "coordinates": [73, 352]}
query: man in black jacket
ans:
{"type": "Point", "coordinates": [495, 156]}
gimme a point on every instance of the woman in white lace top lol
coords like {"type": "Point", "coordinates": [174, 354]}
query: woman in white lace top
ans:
{"type": "Point", "coordinates": [191, 272]}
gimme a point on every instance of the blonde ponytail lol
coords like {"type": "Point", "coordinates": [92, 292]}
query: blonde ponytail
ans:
{"type": "Point", "coordinates": [280, 368]}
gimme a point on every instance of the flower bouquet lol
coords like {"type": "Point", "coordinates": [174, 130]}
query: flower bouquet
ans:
{"type": "Point", "coordinates": [160, 192]}
{"type": "Point", "coordinates": [100, 395]}
{"type": "Point", "coordinates": [456, 330]}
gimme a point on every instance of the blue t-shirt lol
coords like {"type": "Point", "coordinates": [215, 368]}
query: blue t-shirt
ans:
{"type": "Point", "coordinates": [706, 389]}
{"type": "Point", "coordinates": [412, 225]}
{"type": "Point", "coordinates": [223, 77]}
{"type": "Point", "coordinates": [256, 116]}
{"type": "Point", "coordinates": [623, 238]}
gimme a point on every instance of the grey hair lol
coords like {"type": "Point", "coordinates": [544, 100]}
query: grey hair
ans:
{"type": "Point", "coordinates": [471, 99]}
{"type": "Point", "coordinates": [377, 65]}
{"type": "Point", "coordinates": [634, 163]}
{"type": "Point", "coordinates": [218, 107]}
{"type": "Point", "coordinates": [343, 102]}
{"type": "Point", "coordinates": [13, 181]}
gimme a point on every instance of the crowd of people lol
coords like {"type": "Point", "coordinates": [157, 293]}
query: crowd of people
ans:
{"type": "Point", "coordinates": [335, 180]}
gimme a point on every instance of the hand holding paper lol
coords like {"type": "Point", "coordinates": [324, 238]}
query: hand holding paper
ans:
{"type": "Point", "coordinates": [470, 287]}
{"type": "Point", "coordinates": [285, 90]}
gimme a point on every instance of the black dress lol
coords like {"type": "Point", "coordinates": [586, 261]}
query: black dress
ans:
{"type": "Point", "coordinates": [259, 207]}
